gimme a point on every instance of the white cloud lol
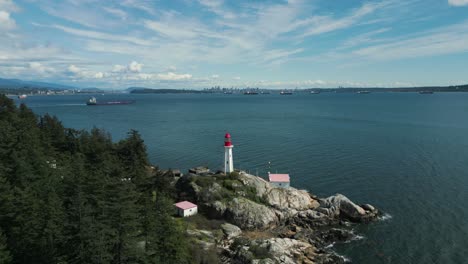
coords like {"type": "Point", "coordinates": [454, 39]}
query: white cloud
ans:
{"type": "Point", "coordinates": [98, 35]}
{"type": "Point", "coordinates": [76, 72]}
{"type": "Point", "coordinates": [140, 4]}
{"type": "Point", "coordinates": [116, 12]}
{"type": "Point", "coordinates": [8, 5]}
{"type": "Point", "coordinates": [99, 75]}
{"type": "Point", "coordinates": [73, 69]}
{"type": "Point", "coordinates": [237, 78]}
{"type": "Point", "coordinates": [458, 2]}
{"type": "Point", "coordinates": [215, 76]}
{"type": "Point", "coordinates": [119, 68]}
{"type": "Point", "coordinates": [135, 66]}
{"type": "Point", "coordinates": [170, 76]}
{"type": "Point", "coordinates": [443, 40]}
{"type": "Point", "coordinates": [171, 69]}
{"type": "Point", "coordinates": [6, 22]}
{"type": "Point", "coordinates": [324, 24]}
{"type": "Point", "coordinates": [40, 68]}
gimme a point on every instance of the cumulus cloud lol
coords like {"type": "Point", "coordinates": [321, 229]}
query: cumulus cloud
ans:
{"type": "Point", "coordinates": [119, 68]}
{"type": "Point", "coordinates": [8, 5]}
{"type": "Point", "coordinates": [458, 2]}
{"type": "Point", "coordinates": [40, 68]}
{"type": "Point", "coordinates": [133, 67]}
{"type": "Point", "coordinates": [73, 69]}
{"type": "Point", "coordinates": [76, 72]}
{"type": "Point", "coordinates": [99, 75]}
{"type": "Point", "coordinates": [6, 22]}
{"type": "Point", "coordinates": [170, 76]}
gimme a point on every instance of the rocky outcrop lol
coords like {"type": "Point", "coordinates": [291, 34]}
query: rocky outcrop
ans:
{"type": "Point", "coordinates": [339, 206]}
{"type": "Point", "coordinates": [280, 198]}
{"type": "Point", "coordinates": [230, 231]}
{"type": "Point", "coordinates": [275, 250]}
{"type": "Point", "coordinates": [250, 215]}
{"type": "Point", "coordinates": [298, 227]}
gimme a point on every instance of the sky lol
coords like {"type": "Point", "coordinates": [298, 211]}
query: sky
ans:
{"type": "Point", "coordinates": [203, 43]}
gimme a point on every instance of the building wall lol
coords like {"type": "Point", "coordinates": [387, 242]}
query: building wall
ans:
{"type": "Point", "coordinates": [189, 212]}
{"type": "Point", "coordinates": [280, 184]}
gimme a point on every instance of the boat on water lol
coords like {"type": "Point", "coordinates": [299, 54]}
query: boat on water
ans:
{"type": "Point", "coordinates": [22, 96]}
{"type": "Point", "coordinates": [285, 93]}
{"type": "Point", "coordinates": [426, 92]}
{"type": "Point", "coordinates": [315, 92]}
{"type": "Point", "coordinates": [363, 92]}
{"type": "Point", "coordinates": [250, 93]}
{"type": "Point", "coordinates": [93, 101]}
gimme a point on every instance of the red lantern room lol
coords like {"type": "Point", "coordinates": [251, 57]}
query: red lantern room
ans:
{"type": "Point", "coordinates": [227, 140]}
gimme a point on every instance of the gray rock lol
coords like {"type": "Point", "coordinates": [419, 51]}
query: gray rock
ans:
{"type": "Point", "coordinates": [230, 231]}
{"type": "Point", "coordinates": [368, 207]}
{"type": "Point", "coordinates": [347, 209]}
{"type": "Point", "coordinates": [280, 198]}
{"type": "Point", "coordinates": [286, 250]}
{"type": "Point", "coordinates": [250, 215]}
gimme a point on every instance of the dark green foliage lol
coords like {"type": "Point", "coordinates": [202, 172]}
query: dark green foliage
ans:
{"type": "Point", "coordinates": [200, 256]}
{"type": "Point", "coordinates": [259, 252]}
{"type": "Point", "coordinates": [5, 256]}
{"type": "Point", "coordinates": [166, 242]}
{"type": "Point", "coordinates": [70, 196]}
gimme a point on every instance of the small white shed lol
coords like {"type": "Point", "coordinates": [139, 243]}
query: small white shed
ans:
{"type": "Point", "coordinates": [186, 208]}
{"type": "Point", "coordinates": [279, 180]}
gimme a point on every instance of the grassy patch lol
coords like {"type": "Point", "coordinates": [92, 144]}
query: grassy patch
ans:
{"type": "Point", "coordinates": [199, 221]}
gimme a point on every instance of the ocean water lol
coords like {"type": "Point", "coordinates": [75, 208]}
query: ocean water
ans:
{"type": "Point", "coordinates": [405, 153]}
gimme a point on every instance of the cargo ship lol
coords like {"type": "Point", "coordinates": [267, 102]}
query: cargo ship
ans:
{"type": "Point", "coordinates": [93, 101]}
{"type": "Point", "coordinates": [286, 93]}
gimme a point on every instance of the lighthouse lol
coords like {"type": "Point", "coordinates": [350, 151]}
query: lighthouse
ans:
{"type": "Point", "coordinates": [228, 164]}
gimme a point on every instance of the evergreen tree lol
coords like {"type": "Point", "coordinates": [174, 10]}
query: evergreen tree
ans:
{"type": "Point", "coordinates": [70, 196]}
{"type": "Point", "coordinates": [5, 256]}
{"type": "Point", "coordinates": [167, 242]}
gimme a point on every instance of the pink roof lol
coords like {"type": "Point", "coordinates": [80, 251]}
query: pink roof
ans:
{"type": "Point", "coordinates": [185, 205]}
{"type": "Point", "coordinates": [279, 177]}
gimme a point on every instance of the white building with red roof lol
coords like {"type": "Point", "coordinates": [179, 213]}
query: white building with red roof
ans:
{"type": "Point", "coordinates": [279, 180]}
{"type": "Point", "coordinates": [186, 208]}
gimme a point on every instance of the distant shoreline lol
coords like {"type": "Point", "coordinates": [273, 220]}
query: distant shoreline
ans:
{"type": "Point", "coordinates": [217, 90]}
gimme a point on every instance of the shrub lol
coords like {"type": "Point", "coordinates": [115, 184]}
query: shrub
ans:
{"type": "Point", "coordinates": [260, 252]}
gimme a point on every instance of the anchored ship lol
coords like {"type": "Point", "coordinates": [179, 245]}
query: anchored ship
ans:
{"type": "Point", "coordinates": [93, 101]}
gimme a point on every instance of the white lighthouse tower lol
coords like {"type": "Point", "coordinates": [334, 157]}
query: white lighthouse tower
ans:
{"type": "Point", "coordinates": [228, 164]}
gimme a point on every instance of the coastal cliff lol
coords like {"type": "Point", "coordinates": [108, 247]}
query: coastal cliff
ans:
{"type": "Point", "coordinates": [264, 224]}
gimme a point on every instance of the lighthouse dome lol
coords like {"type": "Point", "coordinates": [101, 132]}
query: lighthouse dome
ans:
{"type": "Point", "coordinates": [227, 135]}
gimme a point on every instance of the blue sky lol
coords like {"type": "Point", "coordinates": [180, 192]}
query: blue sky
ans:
{"type": "Point", "coordinates": [197, 44]}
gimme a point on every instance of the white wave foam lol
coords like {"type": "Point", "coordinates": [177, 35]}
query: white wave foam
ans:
{"type": "Point", "coordinates": [358, 237]}
{"type": "Point", "coordinates": [330, 246]}
{"type": "Point", "coordinates": [345, 259]}
{"type": "Point", "coordinates": [385, 217]}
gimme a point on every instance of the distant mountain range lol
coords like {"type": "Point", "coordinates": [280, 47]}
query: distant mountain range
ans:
{"type": "Point", "coordinates": [20, 84]}
{"type": "Point", "coordinates": [16, 86]}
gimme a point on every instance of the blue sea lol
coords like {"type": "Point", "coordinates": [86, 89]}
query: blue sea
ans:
{"type": "Point", "coordinates": [405, 153]}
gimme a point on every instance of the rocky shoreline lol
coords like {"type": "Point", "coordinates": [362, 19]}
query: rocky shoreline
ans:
{"type": "Point", "coordinates": [263, 224]}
